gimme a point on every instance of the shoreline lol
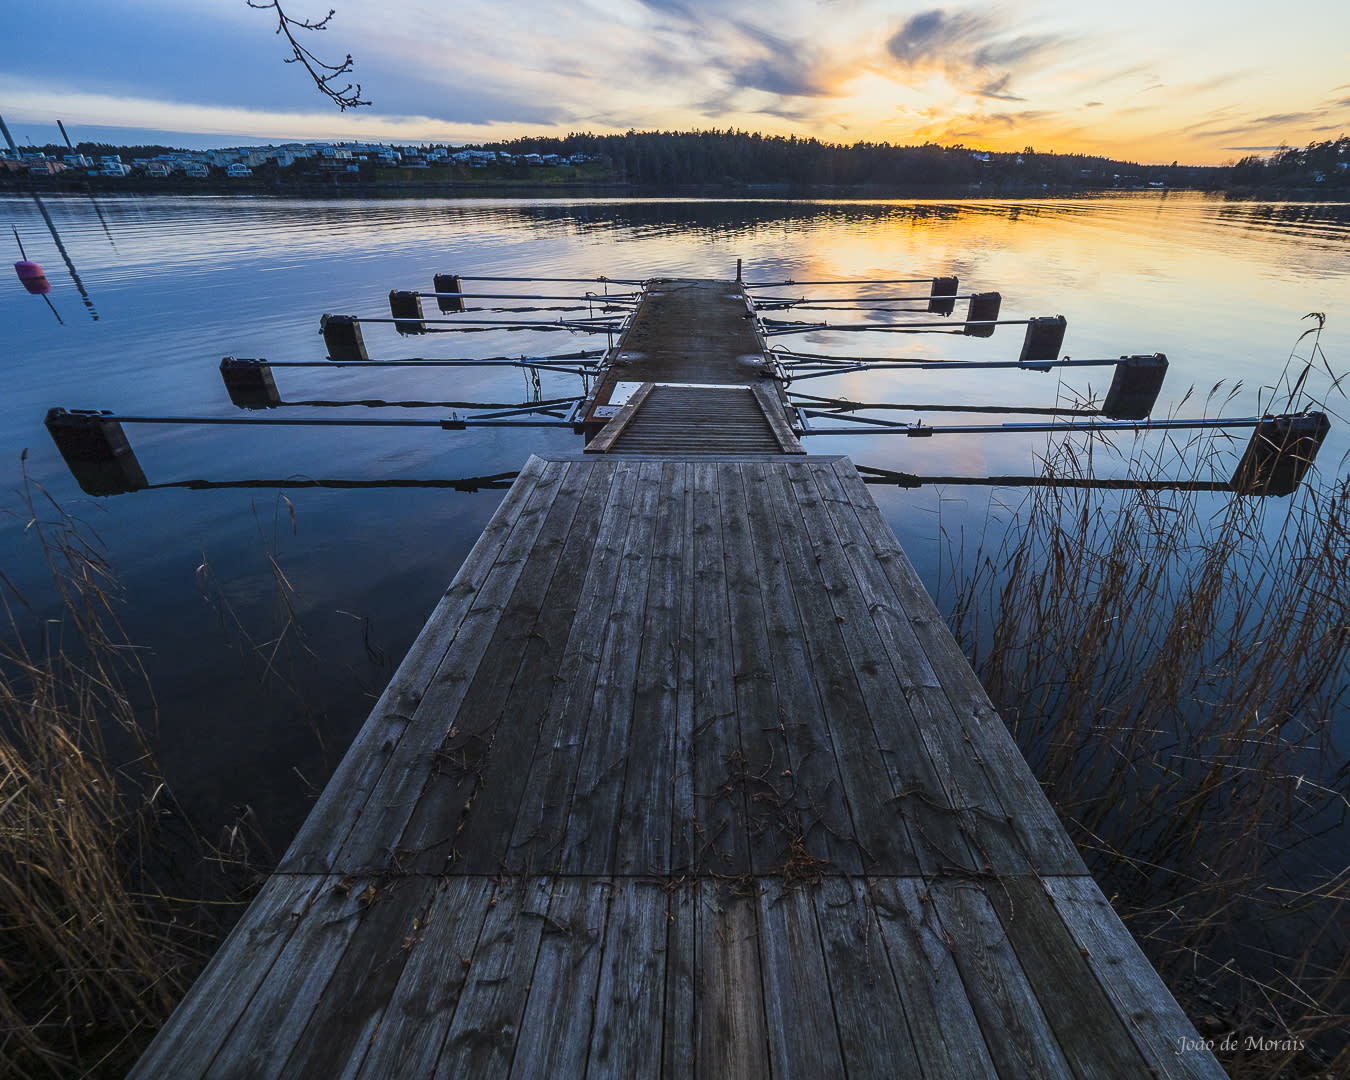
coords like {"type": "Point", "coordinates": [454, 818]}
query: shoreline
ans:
{"type": "Point", "coordinates": [590, 189]}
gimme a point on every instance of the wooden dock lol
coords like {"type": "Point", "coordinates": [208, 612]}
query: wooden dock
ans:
{"type": "Point", "coordinates": [684, 777]}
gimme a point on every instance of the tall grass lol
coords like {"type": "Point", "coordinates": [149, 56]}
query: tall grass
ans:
{"type": "Point", "coordinates": [1176, 667]}
{"type": "Point", "coordinates": [96, 944]}
{"type": "Point", "coordinates": [111, 897]}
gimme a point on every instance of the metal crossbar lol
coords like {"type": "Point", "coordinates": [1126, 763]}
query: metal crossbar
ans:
{"type": "Point", "coordinates": [864, 425]}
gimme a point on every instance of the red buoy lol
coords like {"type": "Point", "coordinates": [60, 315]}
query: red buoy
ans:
{"type": "Point", "coordinates": [34, 280]}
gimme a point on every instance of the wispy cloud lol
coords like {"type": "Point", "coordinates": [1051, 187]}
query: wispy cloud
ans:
{"type": "Point", "coordinates": [977, 124]}
{"type": "Point", "coordinates": [933, 37]}
{"type": "Point", "coordinates": [1148, 72]}
{"type": "Point", "coordinates": [1290, 118]}
{"type": "Point", "coordinates": [778, 75]}
{"type": "Point", "coordinates": [1215, 82]}
{"type": "Point", "coordinates": [975, 50]}
{"type": "Point", "coordinates": [999, 89]}
{"type": "Point", "coordinates": [760, 60]}
{"type": "Point", "coordinates": [1261, 123]}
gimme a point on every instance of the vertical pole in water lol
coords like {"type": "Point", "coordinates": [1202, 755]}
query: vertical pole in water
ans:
{"type": "Point", "coordinates": [738, 270]}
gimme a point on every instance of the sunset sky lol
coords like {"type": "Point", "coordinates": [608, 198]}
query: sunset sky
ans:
{"type": "Point", "coordinates": [1201, 82]}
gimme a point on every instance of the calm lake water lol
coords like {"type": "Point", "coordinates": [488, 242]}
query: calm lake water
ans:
{"type": "Point", "coordinates": [174, 284]}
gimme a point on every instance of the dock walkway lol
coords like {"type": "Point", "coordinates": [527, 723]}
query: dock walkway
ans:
{"type": "Point", "coordinates": [685, 776]}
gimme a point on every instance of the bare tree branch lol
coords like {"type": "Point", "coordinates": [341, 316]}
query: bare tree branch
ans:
{"type": "Point", "coordinates": [325, 76]}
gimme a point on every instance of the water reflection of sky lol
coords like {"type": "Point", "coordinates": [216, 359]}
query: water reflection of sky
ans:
{"type": "Point", "coordinates": [180, 282]}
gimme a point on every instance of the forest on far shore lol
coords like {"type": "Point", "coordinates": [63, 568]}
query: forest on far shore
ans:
{"type": "Point", "coordinates": [737, 160]}
{"type": "Point", "coordinates": [734, 157]}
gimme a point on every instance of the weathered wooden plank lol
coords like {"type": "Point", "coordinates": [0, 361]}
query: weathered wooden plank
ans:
{"type": "Point", "coordinates": [477, 721]}
{"type": "Point", "coordinates": [1019, 1038]}
{"type": "Point", "coordinates": [482, 846]}
{"type": "Point", "coordinates": [937, 774]}
{"type": "Point", "coordinates": [991, 834]}
{"type": "Point", "coordinates": [890, 673]}
{"type": "Point", "coordinates": [803, 1040]}
{"type": "Point", "coordinates": [376, 839]}
{"type": "Point", "coordinates": [873, 1035]}
{"type": "Point", "coordinates": [947, 1037]}
{"type": "Point", "coordinates": [486, 728]}
{"type": "Point", "coordinates": [605, 437]}
{"type": "Point", "coordinates": [351, 1009]}
{"type": "Point", "coordinates": [880, 828]}
{"type": "Point", "coordinates": [593, 824]}
{"type": "Point", "coordinates": [315, 846]}
{"type": "Point", "coordinates": [719, 801]}
{"type": "Point", "coordinates": [684, 840]}
{"type": "Point", "coordinates": [681, 999]}
{"type": "Point", "coordinates": [279, 1009]}
{"type": "Point", "coordinates": [1152, 1016]}
{"type": "Point", "coordinates": [773, 412]}
{"type": "Point", "coordinates": [815, 785]}
{"type": "Point", "coordinates": [764, 769]}
{"type": "Point", "coordinates": [690, 331]}
{"type": "Point", "coordinates": [910, 662]}
{"type": "Point", "coordinates": [644, 840]}
{"type": "Point", "coordinates": [417, 1018]}
{"type": "Point", "coordinates": [1091, 1036]}
{"type": "Point", "coordinates": [541, 823]}
{"type": "Point", "coordinates": [629, 1028]}
{"type": "Point", "coordinates": [199, 1026]}
{"type": "Point", "coordinates": [482, 1036]}
{"type": "Point", "coordinates": [555, 1032]}
{"type": "Point", "coordinates": [1043, 837]}
{"type": "Point", "coordinates": [730, 1032]}
{"type": "Point", "coordinates": [1042, 834]}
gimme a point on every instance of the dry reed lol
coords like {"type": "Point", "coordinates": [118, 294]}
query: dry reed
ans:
{"type": "Point", "coordinates": [111, 898]}
{"type": "Point", "coordinates": [96, 945]}
{"type": "Point", "coordinates": [1174, 664]}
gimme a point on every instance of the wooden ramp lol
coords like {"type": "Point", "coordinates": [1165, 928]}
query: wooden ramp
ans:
{"type": "Point", "coordinates": [683, 331]}
{"type": "Point", "coordinates": [684, 777]}
{"type": "Point", "coordinates": [695, 419]}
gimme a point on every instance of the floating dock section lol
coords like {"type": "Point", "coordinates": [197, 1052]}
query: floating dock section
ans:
{"type": "Point", "coordinates": [684, 777]}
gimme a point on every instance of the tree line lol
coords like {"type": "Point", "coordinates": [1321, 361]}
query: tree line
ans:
{"type": "Point", "coordinates": [746, 159]}
{"type": "Point", "coordinates": [1324, 165]}
{"type": "Point", "coordinates": [739, 157]}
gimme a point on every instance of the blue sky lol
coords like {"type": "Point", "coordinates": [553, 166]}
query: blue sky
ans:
{"type": "Point", "coordinates": [1198, 82]}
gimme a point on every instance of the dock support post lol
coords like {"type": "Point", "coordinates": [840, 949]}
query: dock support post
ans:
{"type": "Point", "coordinates": [1135, 387]}
{"type": "Point", "coordinates": [448, 283]}
{"type": "Point", "coordinates": [943, 293]}
{"type": "Point", "coordinates": [1040, 347]}
{"type": "Point", "coordinates": [406, 308]}
{"type": "Point", "coordinates": [1281, 451]}
{"type": "Point", "coordinates": [250, 383]}
{"type": "Point", "coordinates": [97, 451]}
{"type": "Point", "coordinates": [983, 314]}
{"type": "Point", "coordinates": [342, 335]}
